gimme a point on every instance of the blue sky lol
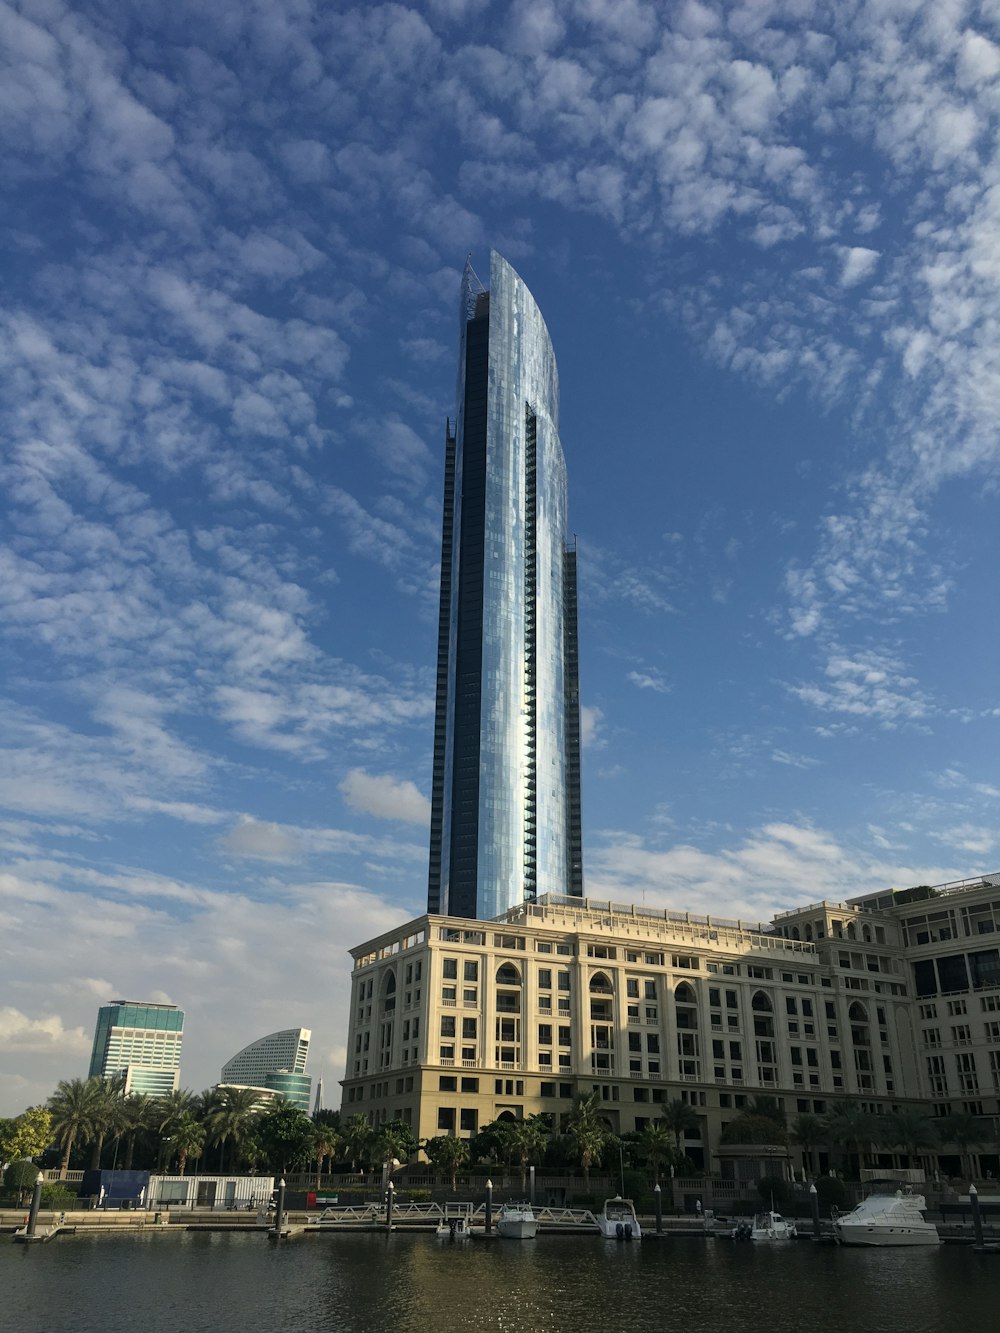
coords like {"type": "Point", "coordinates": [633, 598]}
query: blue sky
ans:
{"type": "Point", "coordinates": [765, 238]}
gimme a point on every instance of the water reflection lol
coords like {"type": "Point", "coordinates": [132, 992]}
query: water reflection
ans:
{"type": "Point", "coordinates": [187, 1283]}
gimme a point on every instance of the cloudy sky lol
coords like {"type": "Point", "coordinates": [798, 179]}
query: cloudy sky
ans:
{"type": "Point", "coordinates": [766, 239]}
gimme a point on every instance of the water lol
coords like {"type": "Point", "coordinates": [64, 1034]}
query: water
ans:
{"type": "Point", "coordinates": [195, 1282]}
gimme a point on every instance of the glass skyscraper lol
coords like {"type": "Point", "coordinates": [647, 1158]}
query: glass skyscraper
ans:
{"type": "Point", "coordinates": [505, 807]}
{"type": "Point", "coordinates": [138, 1044]}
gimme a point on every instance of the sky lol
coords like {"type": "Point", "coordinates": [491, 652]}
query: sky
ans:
{"type": "Point", "coordinates": [765, 237]}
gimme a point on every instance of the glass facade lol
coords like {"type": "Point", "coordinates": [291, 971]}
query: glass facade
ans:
{"type": "Point", "coordinates": [296, 1088]}
{"type": "Point", "coordinates": [505, 819]}
{"type": "Point", "coordinates": [141, 1042]}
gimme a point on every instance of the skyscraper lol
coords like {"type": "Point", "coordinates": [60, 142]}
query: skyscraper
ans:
{"type": "Point", "coordinates": [140, 1044]}
{"type": "Point", "coordinates": [505, 807]}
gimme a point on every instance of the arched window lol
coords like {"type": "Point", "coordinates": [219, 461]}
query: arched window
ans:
{"type": "Point", "coordinates": [852, 932]}
{"type": "Point", "coordinates": [684, 994]}
{"type": "Point", "coordinates": [600, 984]}
{"type": "Point", "coordinates": [508, 975]}
{"type": "Point", "coordinates": [857, 1013]}
{"type": "Point", "coordinates": [795, 932]}
{"type": "Point", "coordinates": [761, 1003]}
{"type": "Point", "coordinates": [866, 934]}
{"type": "Point", "coordinates": [808, 932]}
{"type": "Point", "coordinates": [388, 991]}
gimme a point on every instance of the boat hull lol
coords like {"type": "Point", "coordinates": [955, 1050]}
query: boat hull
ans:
{"type": "Point", "coordinates": [517, 1228]}
{"type": "Point", "coordinates": [884, 1236]}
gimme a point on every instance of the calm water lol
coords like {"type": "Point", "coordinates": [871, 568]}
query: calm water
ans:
{"type": "Point", "coordinates": [190, 1282]}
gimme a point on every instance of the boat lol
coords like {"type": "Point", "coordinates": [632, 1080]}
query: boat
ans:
{"type": "Point", "coordinates": [454, 1224]}
{"type": "Point", "coordinates": [617, 1220]}
{"type": "Point", "coordinates": [772, 1226]}
{"type": "Point", "coordinates": [517, 1221]}
{"type": "Point", "coordinates": [887, 1219]}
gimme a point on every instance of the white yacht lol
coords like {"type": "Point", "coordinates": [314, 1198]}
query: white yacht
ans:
{"type": "Point", "coordinates": [887, 1219]}
{"type": "Point", "coordinates": [517, 1221]}
{"type": "Point", "coordinates": [617, 1220]}
{"type": "Point", "coordinates": [772, 1226]}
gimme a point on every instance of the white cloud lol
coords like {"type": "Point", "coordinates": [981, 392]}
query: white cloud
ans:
{"type": "Point", "coordinates": [648, 679]}
{"type": "Point", "coordinates": [857, 262]}
{"type": "Point", "coordinates": [385, 797]}
{"type": "Point", "coordinates": [261, 841]}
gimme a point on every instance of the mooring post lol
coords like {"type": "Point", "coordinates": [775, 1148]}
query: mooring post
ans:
{"type": "Point", "coordinates": [389, 1195]}
{"type": "Point", "coordinates": [658, 1198]}
{"type": "Point", "coordinates": [977, 1216]}
{"type": "Point", "coordinates": [489, 1207]}
{"type": "Point", "coordinates": [279, 1211]}
{"type": "Point", "coordinates": [531, 1186]}
{"type": "Point", "coordinates": [36, 1199]}
{"type": "Point", "coordinates": [814, 1201]}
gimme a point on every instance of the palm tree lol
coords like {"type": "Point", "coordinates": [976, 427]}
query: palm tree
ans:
{"type": "Point", "coordinates": [448, 1154]}
{"type": "Point", "coordinates": [965, 1131]}
{"type": "Point", "coordinates": [168, 1110]}
{"type": "Point", "coordinates": [325, 1143]}
{"type": "Point", "coordinates": [852, 1127]}
{"type": "Point", "coordinates": [655, 1146]}
{"type": "Point", "coordinates": [526, 1139]}
{"type": "Point", "coordinates": [73, 1106]}
{"type": "Point", "coordinates": [137, 1112]}
{"type": "Point", "coordinates": [769, 1107]}
{"type": "Point", "coordinates": [679, 1117]}
{"type": "Point", "coordinates": [230, 1118]}
{"type": "Point", "coordinates": [585, 1128]}
{"type": "Point", "coordinates": [910, 1130]}
{"type": "Point", "coordinates": [106, 1117]}
{"type": "Point", "coordinates": [393, 1144]}
{"type": "Point", "coordinates": [809, 1131]}
{"type": "Point", "coordinates": [357, 1139]}
{"type": "Point", "coordinates": [187, 1140]}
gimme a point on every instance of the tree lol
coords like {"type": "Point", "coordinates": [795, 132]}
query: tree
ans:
{"type": "Point", "coordinates": [587, 1132]}
{"type": "Point", "coordinates": [171, 1108]}
{"type": "Point", "coordinates": [679, 1116]}
{"type": "Point", "coordinates": [851, 1127]}
{"type": "Point", "coordinates": [187, 1140]}
{"type": "Point", "coordinates": [448, 1154]}
{"type": "Point", "coordinates": [286, 1136]}
{"type": "Point", "coordinates": [964, 1131]}
{"type": "Point", "coordinates": [910, 1130]}
{"type": "Point", "coordinates": [655, 1147]}
{"type": "Point", "coordinates": [774, 1191]}
{"type": "Point", "coordinates": [230, 1117]}
{"type": "Point", "coordinates": [526, 1139]}
{"type": "Point", "coordinates": [767, 1106]}
{"type": "Point", "coordinates": [832, 1194]}
{"type": "Point", "coordinates": [106, 1116]}
{"type": "Point", "coordinates": [27, 1135]}
{"type": "Point", "coordinates": [137, 1112]}
{"type": "Point", "coordinates": [809, 1131]}
{"type": "Point", "coordinates": [357, 1139]}
{"type": "Point", "coordinates": [748, 1128]}
{"type": "Point", "coordinates": [73, 1106]}
{"type": "Point", "coordinates": [324, 1142]}
{"type": "Point", "coordinates": [394, 1142]}
{"type": "Point", "coordinates": [21, 1176]}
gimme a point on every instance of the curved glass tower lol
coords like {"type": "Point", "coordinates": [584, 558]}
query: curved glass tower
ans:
{"type": "Point", "coordinates": [505, 817]}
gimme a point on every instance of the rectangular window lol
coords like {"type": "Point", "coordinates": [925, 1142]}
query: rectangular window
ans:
{"type": "Point", "coordinates": [446, 1118]}
{"type": "Point", "coordinates": [469, 1119]}
{"type": "Point", "coordinates": [448, 1025]}
{"type": "Point", "coordinates": [449, 968]}
{"type": "Point", "coordinates": [469, 1029]}
{"type": "Point", "coordinates": [545, 978]}
{"type": "Point", "coordinates": [471, 970]}
{"type": "Point", "coordinates": [545, 1034]}
{"type": "Point", "coordinates": [447, 1083]}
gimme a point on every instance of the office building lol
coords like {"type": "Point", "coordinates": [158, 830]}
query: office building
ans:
{"type": "Point", "coordinates": [892, 1000]}
{"type": "Point", "coordinates": [139, 1045]}
{"type": "Point", "coordinates": [275, 1066]}
{"type": "Point", "coordinates": [505, 800]}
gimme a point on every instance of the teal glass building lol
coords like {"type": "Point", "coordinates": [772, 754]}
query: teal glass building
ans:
{"type": "Point", "coordinates": [139, 1045]}
{"type": "Point", "coordinates": [505, 800]}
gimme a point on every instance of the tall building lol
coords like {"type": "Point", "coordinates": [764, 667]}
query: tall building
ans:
{"type": "Point", "coordinates": [140, 1044]}
{"type": "Point", "coordinates": [505, 809]}
{"type": "Point", "coordinates": [891, 1000]}
{"type": "Point", "coordinates": [285, 1052]}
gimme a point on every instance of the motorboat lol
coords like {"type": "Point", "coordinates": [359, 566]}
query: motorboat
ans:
{"type": "Point", "coordinates": [455, 1223]}
{"type": "Point", "coordinates": [887, 1219]}
{"type": "Point", "coordinates": [772, 1226]}
{"type": "Point", "coordinates": [617, 1220]}
{"type": "Point", "coordinates": [517, 1221]}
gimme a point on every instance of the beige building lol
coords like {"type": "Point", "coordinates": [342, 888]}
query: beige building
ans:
{"type": "Point", "coordinates": [888, 999]}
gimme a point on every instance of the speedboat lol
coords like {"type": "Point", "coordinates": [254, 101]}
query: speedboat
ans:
{"type": "Point", "coordinates": [887, 1219]}
{"type": "Point", "coordinates": [454, 1225]}
{"type": "Point", "coordinates": [517, 1221]}
{"type": "Point", "coordinates": [772, 1226]}
{"type": "Point", "coordinates": [617, 1220]}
